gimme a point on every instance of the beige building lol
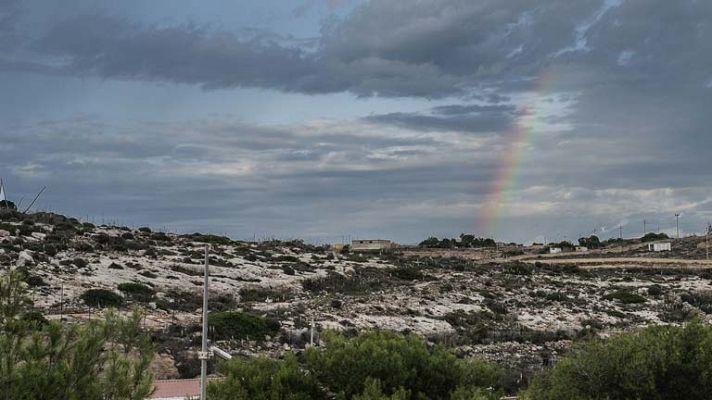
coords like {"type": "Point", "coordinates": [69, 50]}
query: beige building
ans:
{"type": "Point", "coordinates": [373, 244]}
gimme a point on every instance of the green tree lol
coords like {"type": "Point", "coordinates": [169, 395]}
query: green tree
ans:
{"type": "Point", "coordinates": [265, 379]}
{"type": "Point", "coordinates": [430, 242]}
{"type": "Point", "coordinates": [591, 242]}
{"type": "Point", "coordinates": [105, 359]}
{"type": "Point", "coordinates": [661, 362]}
{"type": "Point", "coordinates": [373, 390]}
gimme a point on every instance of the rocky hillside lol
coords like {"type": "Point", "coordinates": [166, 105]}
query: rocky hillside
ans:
{"type": "Point", "coordinates": [265, 296]}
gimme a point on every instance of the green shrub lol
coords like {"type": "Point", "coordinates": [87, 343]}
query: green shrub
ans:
{"type": "Point", "coordinates": [211, 239]}
{"type": "Point", "coordinates": [347, 366]}
{"type": "Point", "coordinates": [408, 273]}
{"type": "Point", "coordinates": [655, 290]}
{"type": "Point", "coordinates": [101, 298]}
{"type": "Point", "coordinates": [363, 281]}
{"type": "Point", "coordinates": [700, 299]}
{"type": "Point", "coordinates": [265, 379]}
{"type": "Point", "coordinates": [137, 291]}
{"type": "Point", "coordinates": [239, 325]}
{"type": "Point", "coordinates": [521, 269]}
{"type": "Point", "coordinates": [661, 362]}
{"type": "Point", "coordinates": [625, 297]}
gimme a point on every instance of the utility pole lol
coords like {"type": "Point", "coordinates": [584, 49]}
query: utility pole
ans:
{"type": "Point", "coordinates": [645, 227]}
{"type": "Point", "coordinates": [620, 236]}
{"type": "Point", "coordinates": [707, 241]}
{"type": "Point", "coordinates": [61, 303]}
{"type": "Point", "coordinates": [204, 349]}
{"type": "Point", "coordinates": [677, 219]}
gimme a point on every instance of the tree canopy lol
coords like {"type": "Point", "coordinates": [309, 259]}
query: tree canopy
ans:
{"type": "Point", "coordinates": [464, 241]}
{"type": "Point", "coordinates": [105, 359]}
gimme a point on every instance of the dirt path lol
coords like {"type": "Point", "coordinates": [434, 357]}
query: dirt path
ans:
{"type": "Point", "coordinates": [615, 262]}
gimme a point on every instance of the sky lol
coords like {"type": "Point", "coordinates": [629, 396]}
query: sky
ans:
{"type": "Point", "coordinates": [333, 119]}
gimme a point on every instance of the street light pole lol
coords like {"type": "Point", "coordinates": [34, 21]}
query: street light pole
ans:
{"type": "Point", "coordinates": [204, 349]}
{"type": "Point", "coordinates": [677, 219]}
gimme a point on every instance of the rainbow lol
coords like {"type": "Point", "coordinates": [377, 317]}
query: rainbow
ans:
{"type": "Point", "coordinates": [519, 139]}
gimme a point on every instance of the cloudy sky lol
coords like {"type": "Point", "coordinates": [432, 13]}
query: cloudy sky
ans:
{"type": "Point", "coordinates": [320, 119]}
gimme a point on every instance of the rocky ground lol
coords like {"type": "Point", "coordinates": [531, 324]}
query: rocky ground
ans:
{"type": "Point", "coordinates": [523, 312]}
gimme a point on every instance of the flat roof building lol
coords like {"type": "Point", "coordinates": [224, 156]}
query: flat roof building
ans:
{"type": "Point", "coordinates": [371, 244]}
{"type": "Point", "coordinates": [661, 246]}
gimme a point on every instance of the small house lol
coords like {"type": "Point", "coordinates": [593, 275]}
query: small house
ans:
{"type": "Point", "coordinates": [555, 250]}
{"type": "Point", "coordinates": [373, 244]}
{"type": "Point", "coordinates": [660, 246]}
{"type": "Point", "coordinates": [581, 249]}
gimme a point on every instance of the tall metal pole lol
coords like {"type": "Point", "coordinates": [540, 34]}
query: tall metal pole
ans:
{"type": "Point", "coordinates": [61, 303]}
{"type": "Point", "coordinates": [677, 221]}
{"type": "Point", "coordinates": [204, 352]}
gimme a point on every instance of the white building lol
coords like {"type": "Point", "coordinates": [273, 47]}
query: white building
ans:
{"type": "Point", "coordinates": [556, 250]}
{"type": "Point", "coordinates": [373, 244]}
{"type": "Point", "coordinates": [581, 249]}
{"type": "Point", "coordinates": [662, 246]}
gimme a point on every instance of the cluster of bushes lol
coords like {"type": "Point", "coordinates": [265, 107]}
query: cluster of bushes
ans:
{"type": "Point", "coordinates": [362, 281]}
{"type": "Point", "coordinates": [179, 300]}
{"type": "Point", "coordinates": [521, 269]}
{"type": "Point", "coordinates": [662, 362]}
{"type": "Point", "coordinates": [372, 366]}
{"type": "Point", "coordinates": [240, 325]}
{"type": "Point", "coordinates": [700, 299]}
{"type": "Point", "coordinates": [465, 241]}
{"type": "Point", "coordinates": [408, 273]}
{"type": "Point", "coordinates": [119, 243]}
{"type": "Point", "coordinates": [210, 239]}
{"type": "Point", "coordinates": [625, 297]}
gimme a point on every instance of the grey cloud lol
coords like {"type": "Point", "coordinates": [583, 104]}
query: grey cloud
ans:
{"type": "Point", "coordinates": [115, 48]}
{"type": "Point", "coordinates": [391, 48]}
{"type": "Point", "coordinates": [473, 118]}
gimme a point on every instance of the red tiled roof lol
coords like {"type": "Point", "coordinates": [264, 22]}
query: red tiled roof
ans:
{"type": "Point", "coordinates": [176, 388]}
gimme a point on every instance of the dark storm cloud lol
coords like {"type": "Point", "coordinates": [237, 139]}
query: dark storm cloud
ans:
{"type": "Point", "coordinates": [393, 48]}
{"type": "Point", "coordinates": [618, 94]}
{"type": "Point", "coordinates": [114, 48]}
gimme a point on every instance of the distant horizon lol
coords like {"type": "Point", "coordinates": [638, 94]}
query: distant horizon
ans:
{"type": "Point", "coordinates": [117, 222]}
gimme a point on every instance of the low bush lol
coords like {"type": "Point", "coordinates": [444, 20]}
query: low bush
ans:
{"type": "Point", "coordinates": [101, 298]}
{"type": "Point", "coordinates": [239, 325]}
{"type": "Point", "coordinates": [137, 291]}
{"type": "Point", "coordinates": [401, 364]}
{"type": "Point", "coordinates": [521, 269]}
{"type": "Point", "coordinates": [700, 299]}
{"type": "Point", "coordinates": [363, 281]}
{"type": "Point", "coordinates": [625, 297]}
{"type": "Point", "coordinates": [408, 273]}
